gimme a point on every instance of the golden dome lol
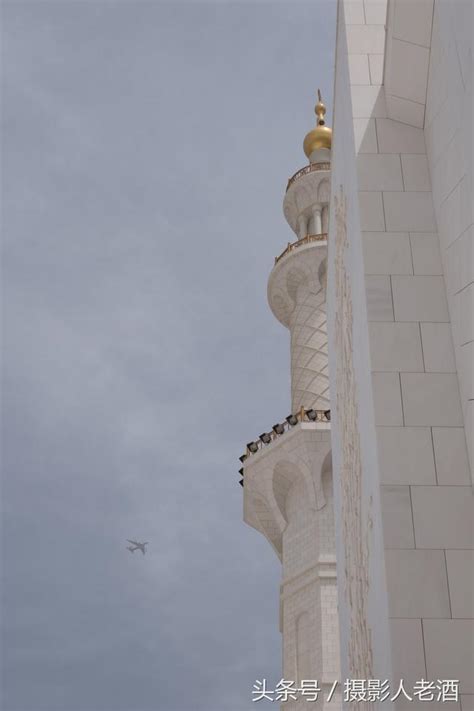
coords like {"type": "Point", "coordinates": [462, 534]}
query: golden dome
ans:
{"type": "Point", "coordinates": [321, 136]}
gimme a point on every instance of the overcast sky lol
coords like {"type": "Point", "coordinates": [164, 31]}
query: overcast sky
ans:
{"type": "Point", "coordinates": [146, 151]}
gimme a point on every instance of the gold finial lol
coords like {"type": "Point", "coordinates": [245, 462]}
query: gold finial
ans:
{"type": "Point", "coordinates": [321, 136]}
{"type": "Point", "coordinates": [320, 109]}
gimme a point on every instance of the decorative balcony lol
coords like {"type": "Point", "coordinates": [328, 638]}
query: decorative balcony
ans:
{"type": "Point", "coordinates": [307, 169]}
{"type": "Point", "coordinates": [309, 187]}
{"type": "Point", "coordinates": [300, 242]}
{"type": "Point", "coordinates": [280, 429]}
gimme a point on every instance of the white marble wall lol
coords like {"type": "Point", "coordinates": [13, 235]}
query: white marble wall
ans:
{"type": "Point", "coordinates": [363, 602]}
{"type": "Point", "coordinates": [427, 500]}
{"type": "Point", "coordinates": [449, 147]}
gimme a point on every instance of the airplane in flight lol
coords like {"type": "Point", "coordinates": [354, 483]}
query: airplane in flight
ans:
{"type": "Point", "coordinates": [136, 546]}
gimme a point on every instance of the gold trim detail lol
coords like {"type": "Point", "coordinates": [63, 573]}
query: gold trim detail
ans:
{"type": "Point", "coordinates": [300, 242]}
{"type": "Point", "coordinates": [307, 169]}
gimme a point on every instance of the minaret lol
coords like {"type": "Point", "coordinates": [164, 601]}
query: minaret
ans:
{"type": "Point", "coordinates": [287, 473]}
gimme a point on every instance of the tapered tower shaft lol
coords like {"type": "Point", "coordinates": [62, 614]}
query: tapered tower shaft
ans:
{"type": "Point", "coordinates": [287, 473]}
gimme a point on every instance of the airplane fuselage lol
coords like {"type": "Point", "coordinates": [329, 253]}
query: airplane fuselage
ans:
{"type": "Point", "coordinates": [136, 546]}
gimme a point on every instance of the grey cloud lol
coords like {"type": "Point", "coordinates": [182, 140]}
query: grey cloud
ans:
{"type": "Point", "coordinates": [146, 150]}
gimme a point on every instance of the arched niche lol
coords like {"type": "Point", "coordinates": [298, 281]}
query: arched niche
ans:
{"type": "Point", "coordinates": [286, 473]}
{"type": "Point", "coordinates": [267, 523]}
{"type": "Point", "coordinates": [324, 191]}
{"type": "Point", "coordinates": [326, 516]}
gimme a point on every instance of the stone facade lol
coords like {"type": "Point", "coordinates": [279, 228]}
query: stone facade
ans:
{"type": "Point", "coordinates": [407, 166]}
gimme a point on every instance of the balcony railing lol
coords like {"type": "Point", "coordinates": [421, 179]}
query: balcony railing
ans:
{"type": "Point", "coordinates": [307, 169]}
{"type": "Point", "coordinates": [279, 429]}
{"type": "Point", "coordinates": [300, 242]}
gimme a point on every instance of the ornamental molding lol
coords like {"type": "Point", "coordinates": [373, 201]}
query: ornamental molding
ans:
{"type": "Point", "coordinates": [304, 192]}
{"type": "Point", "coordinates": [355, 527]}
{"type": "Point", "coordinates": [269, 475]}
{"type": "Point", "coordinates": [306, 265]}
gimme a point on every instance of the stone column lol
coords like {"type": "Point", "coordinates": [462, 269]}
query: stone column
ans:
{"type": "Point", "coordinates": [302, 226]}
{"type": "Point", "coordinates": [317, 220]}
{"type": "Point", "coordinates": [325, 219]}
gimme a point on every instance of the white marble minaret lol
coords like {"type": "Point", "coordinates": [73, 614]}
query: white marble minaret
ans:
{"type": "Point", "coordinates": [287, 474]}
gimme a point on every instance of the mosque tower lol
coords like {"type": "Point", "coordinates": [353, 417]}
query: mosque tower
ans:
{"type": "Point", "coordinates": [286, 472]}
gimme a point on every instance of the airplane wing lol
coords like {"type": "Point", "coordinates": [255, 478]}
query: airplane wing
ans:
{"type": "Point", "coordinates": [143, 550]}
{"type": "Point", "coordinates": [133, 542]}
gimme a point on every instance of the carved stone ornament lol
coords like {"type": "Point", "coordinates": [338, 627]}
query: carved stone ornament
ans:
{"type": "Point", "coordinates": [355, 530]}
